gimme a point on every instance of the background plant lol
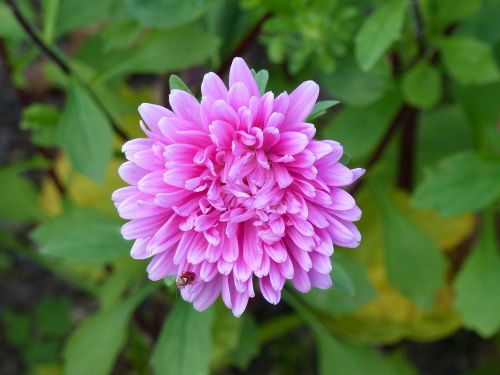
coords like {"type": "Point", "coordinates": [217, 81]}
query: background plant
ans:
{"type": "Point", "coordinates": [419, 86]}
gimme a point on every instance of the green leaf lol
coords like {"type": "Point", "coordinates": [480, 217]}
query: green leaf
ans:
{"type": "Point", "coordinates": [18, 197]}
{"type": "Point", "coordinates": [16, 327]}
{"type": "Point", "coordinates": [261, 77]}
{"type": "Point", "coordinates": [163, 51]}
{"type": "Point", "coordinates": [124, 275]}
{"type": "Point", "coordinates": [432, 146]}
{"type": "Point", "coordinates": [356, 87]}
{"type": "Point", "coordinates": [185, 343]}
{"type": "Point", "coordinates": [168, 13]}
{"type": "Point", "coordinates": [10, 27]}
{"type": "Point", "coordinates": [120, 34]}
{"type": "Point", "coordinates": [345, 158]}
{"type": "Point", "coordinates": [444, 12]}
{"type": "Point", "coordinates": [483, 24]}
{"type": "Point", "coordinates": [82, 236]}
{"type": "Point", "coordinates": [320, 108]}
{"type": "Point", "coordinates": [50, 9]}
{"type": "Point", "coordinates": [341, 280]}
{"type": "Point", "coordinates": [468, 60]}
{"type": "Point", "coordinates": [170, 280]}
{"type": "Point", "coordinates": [176, 83]}
{"type": "Point", "coordinates": [42, 120]}
{"type": "Point", "coordinates": [378, 32]}
{"type": "Point", "coordinates": [415, 265]}
{"type": "Point", "coordinates": [481, 106]}
{"type": "Point", "coordinates": [422, 86]}
{"type": "Point", "coordinates": [85, 133]}
{"type": "Point", "coordinates": [94, 346]}
{"type": "Point", "coordinates": [226, 334]}
{"type": "Point", "coordinates": [360, 129]}
{"type": "Point", "coordinates": [340, 357]}
{"type": "Point", "coordinates": [347, 298]}
{"type": "Point", "coordinates": [343, 358]}
{"type": "Point", "coordinates": [72, 15]}
{"type": "Point", "coordinates": [248, 345]}
{"type": "Point", "coordinates": [461, 183]}
{"type": "Point", "coordinates": [477, 280]}
{"type": "Point", "coordinates": [52, 316]}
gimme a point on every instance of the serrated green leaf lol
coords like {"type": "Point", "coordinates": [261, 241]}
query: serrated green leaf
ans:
{"type": "Point", "coordinates": [82, 236]}
{"type": "Point", "coordinates": [461, 183]}
{"type": "Point", "coordinates": [320, 108]}
{"type": "Point", "coordinates": [478, 278]}
{"type": "Point", "coordinates": [163, 51]}
{"type": "Point", "coordinates": [176, 83]}
{"type": "Point", "coordinates": [85, 133]}
{"type": "Point", "coordinates": [415, 265]}
{"type": "Point", "coordinates": [168, 13]}
{"type": "Point", "coordinates": [378, 32]}
{"type": "Point", "coordinates": [422, 86]}
{"type": "Point", "coordinates": [185, 343]}
{"type": "Point", "coordinates": [355, 87]}
{"type": "Point", "coordinates": [468, 60]}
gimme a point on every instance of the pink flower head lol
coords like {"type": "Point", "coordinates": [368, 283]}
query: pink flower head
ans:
{"type": "Point", "coordinates": [234, 188]}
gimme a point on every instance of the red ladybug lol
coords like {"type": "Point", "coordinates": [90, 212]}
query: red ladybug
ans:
{"type": "Point", "coordinates": [187, 278]}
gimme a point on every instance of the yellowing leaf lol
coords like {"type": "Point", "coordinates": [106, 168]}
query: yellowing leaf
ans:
{"type": "Point", "coordinates": [390, 317]}
{"type": "Point", "coordinates": [81, 190]}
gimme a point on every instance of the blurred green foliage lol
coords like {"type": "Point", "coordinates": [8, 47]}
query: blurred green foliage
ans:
{"type": "Point", "coordinates": [419, 86]}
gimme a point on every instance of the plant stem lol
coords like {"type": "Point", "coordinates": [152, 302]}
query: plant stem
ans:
{"type": "Point", "coordinates": [61, 63]}
{"type": "Point", "coordinates": [398, 121]}
{"type": "Point", "coordinates": [30, 30]}
{"type": "Point", "coordinates": [52, 171]}
{"type": "Point", "coordinates": [407, 151]}
{"type": "Point", "coordinates": [408, 137]}
{"type": "Point", "coordinates": [419, 27]}
{"type": "Point", "coordinates": [24, 102]}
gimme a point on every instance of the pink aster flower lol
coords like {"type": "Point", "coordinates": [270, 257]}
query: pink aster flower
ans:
{"type": "Point", "coordinates": [234, 189]}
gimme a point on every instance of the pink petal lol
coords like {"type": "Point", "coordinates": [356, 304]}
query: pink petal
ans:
{"type": "Point", "coordinates": [152, 114]}
{"type": "Point", "coordinates": [208, 295]}
{"type": "Point", "coordinates": [213, 86]}
{"type": "Point", "coordinates": [290, 143]}
{"type": "Point", "coordinates": [270, 294]}
{"type": "Point", "coordinates": [302, 100]}
{"type": "Point", "coordinates": [239, 72]}
{"type": "Point", "coordinates": [185, 106]}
